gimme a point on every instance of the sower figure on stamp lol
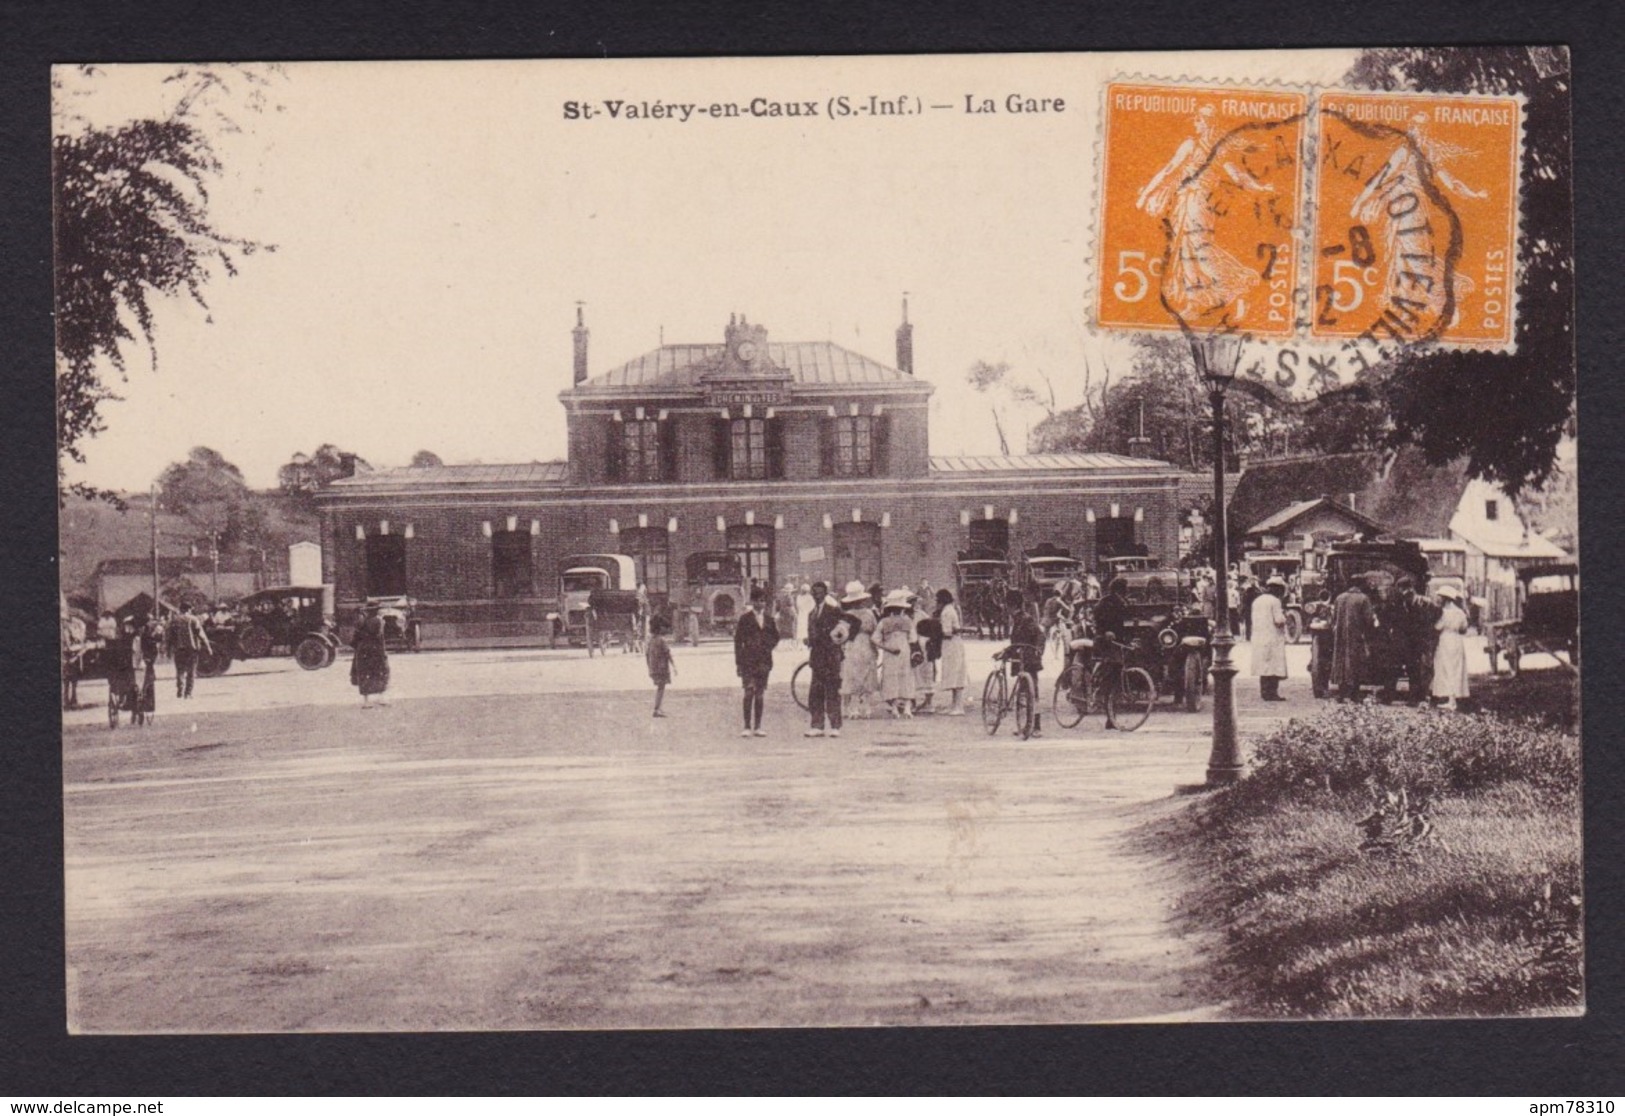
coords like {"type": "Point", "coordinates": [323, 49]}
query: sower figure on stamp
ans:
{"type": "Point", "coordinates": [755, 636]}
{"type": "Point", "coordinates": [824, 653]}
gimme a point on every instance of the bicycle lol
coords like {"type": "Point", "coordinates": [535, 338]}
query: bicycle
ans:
{"type": "Point", "coordinates": [800, 683]}
{"type": "Point", "coordinates": [1000, 697]}
{"type": "Point", "coordinates": [1081, 690]}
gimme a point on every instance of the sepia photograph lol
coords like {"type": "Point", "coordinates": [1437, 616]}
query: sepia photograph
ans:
{"type": "Point", "coordinates": [920, 541]}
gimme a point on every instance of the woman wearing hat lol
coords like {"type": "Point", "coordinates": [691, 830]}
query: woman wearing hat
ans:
{"type": "Point", "coordinates": [1269, 638]}
{"type": "Point", "coordinates": [859, 665]}
{"type": "Point", "coordinates": [369, 668]}
{"type": "Point", "coordinates": [952, 664]}
{"type": "Point", "coordinates": [894, 636]}
{"type": "Point", "coordinates": [1450, 656]}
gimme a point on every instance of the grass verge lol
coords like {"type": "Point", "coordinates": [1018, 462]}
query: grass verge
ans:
{"type": "Point", "coordinates": [1393, 862]}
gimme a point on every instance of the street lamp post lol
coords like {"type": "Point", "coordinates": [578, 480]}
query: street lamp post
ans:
{"type": "Point", "coordinates": [1217, 356]}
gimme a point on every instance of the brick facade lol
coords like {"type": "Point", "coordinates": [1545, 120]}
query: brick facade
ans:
{"type": "Point", "coordinates": [919, 507]}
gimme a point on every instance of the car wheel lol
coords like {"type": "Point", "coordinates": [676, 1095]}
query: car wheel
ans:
{"type": "Point", "coordinates": [1193, 683]}
{"type": "Point", "coordinates": [312, 652]}
{"type": "Point", "coordinates": [255, 642]}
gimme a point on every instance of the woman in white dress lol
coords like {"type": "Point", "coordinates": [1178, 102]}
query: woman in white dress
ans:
{"type": "Point", "coordinates": [952, 664]}
{"type": "Point", "coordinates": [1269, 639]}
{"type": "Point", "coordinates": [858, 667]}
{"type": "Point", "coordinates": [894, 636]}
{"type": "Point", "coordinates": [1450, 657]}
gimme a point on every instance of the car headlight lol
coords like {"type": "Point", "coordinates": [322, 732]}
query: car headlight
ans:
{"type": "Point", "coordinates": [1168, 638]}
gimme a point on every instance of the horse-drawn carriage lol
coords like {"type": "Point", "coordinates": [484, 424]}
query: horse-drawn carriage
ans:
{"type": "Point", "coordinates": [982, 578]}
{"type": "Point", "coordinates": [1548, 621]}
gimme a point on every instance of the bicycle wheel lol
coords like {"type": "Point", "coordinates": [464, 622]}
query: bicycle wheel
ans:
{"type": "Point", "coordinates": [994, 695]}
{"type": "Point", "coordinates": [1133, 699]}
{"type": "Point", "coordinates": [799, 683]}
{"type": "Point", "coordinates": [1071, 696]}
{"type": "Point", "coordinates": [1026, 705]}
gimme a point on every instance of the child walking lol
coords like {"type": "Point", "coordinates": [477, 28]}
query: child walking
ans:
{"type": "Point", "coordinates": [658, 656]}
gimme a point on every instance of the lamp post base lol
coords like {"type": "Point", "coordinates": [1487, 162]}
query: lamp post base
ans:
{"type": "Point", "coordinates": [1224, 764]}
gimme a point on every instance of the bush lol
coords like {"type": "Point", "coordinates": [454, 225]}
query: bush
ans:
{"type": "Point", "coordinates": [1350, 748]}
{"type": "Point", "coordinates": [1480, 914]}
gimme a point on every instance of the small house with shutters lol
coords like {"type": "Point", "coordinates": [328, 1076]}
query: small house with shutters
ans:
{"type": "Point", "coordinates": [804, 458]}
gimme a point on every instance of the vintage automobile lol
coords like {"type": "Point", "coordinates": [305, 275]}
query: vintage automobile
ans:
{"type": "Point", "coordinates": [717, 593]}
{"type": "Point", "coordinates": [982, 584]}
{"type": "Point", "coordinates": [580, 575]}
{"type": "Point", "coordinates": [1289, 567]}
{"type": "Point", "coordinates": [1167, 635]}
{"type": "Point", "coordinates": [289, 619]}
{"type": "Point", "coordinates": [1447, 565]}
{"type": "Point", "coordinates": [403, 630]}
{"type": "Point", "coordinates": [1042, 568]}
{"type": "Point", "coordinates": [1378, 562]}
{"type": "Point", "coordinates": [1548, 620]}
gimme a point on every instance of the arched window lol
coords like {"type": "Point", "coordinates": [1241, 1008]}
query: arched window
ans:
{"type": "Point", "coordinates": [754, 545]}
{"type": "Point", "coordinates": [386, 566]}
{"type": "Point", "coordinates": [990, 534]}
{"type": "Point", "coordinates": [650, 550]}
{"type": "Point", "coordinates": [511, 570]}
{"type": "Point", "coordinates": [857, 553]}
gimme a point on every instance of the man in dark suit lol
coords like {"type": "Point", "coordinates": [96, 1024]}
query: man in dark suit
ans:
{"type": "Point", "coordinates": [824, 653]}
{"type": "Point", "coordinates": [1111, 617]}
{"type": "Point", "coordinates": [755, 636]}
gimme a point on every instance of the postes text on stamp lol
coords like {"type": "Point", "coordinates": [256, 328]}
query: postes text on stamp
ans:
{"type": "Point", "coordinates": [1415, 218]}
{"type": "Point", "coordinates": [1200, 195]}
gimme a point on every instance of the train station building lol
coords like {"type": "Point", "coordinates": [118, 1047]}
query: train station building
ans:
{"type": "Point", "coordinates": [802, 457]}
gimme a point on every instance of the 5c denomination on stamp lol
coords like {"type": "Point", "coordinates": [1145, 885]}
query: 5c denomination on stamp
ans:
{"type": "Point", "coordinates": [1200, 196]}
{"type": "Point", "coordinates": [1416, 218]}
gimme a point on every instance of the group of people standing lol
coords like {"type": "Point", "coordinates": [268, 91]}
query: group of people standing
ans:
{"type": "Point", "coordinates": [1369, 637]}
{"type": "Point", "coordinates": [898, 648]}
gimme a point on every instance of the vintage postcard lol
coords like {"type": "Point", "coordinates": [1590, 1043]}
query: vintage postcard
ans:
{"type": "Point", "coordinates": [818, 542]}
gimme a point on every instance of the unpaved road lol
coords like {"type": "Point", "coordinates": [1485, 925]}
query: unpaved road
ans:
{"type": "Point", "coordinates": [562, 860]}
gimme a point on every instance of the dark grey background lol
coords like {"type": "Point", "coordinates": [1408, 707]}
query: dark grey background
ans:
{"type": "Point", "coordinates": [1550, 1058]}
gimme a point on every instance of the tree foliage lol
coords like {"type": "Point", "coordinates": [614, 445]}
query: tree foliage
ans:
{"type": "Point", "coordinates": [1504, 412]}
{"type": "Point", "coordinates": [304, 475]}
{"type": "Point", "coordinates": [211, 493]}
{"type": "Point", "coordinates": [132, 227]}
{"type": "Point", "coordinates": [423, 459]}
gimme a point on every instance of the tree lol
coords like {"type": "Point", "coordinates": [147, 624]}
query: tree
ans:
{"type": "Point", "coordinates": [424, 459]}
{"type": "Point", "coordinates": [987, 379]}
{"type": "Point", "coordinates": [1504, 412]}
{"type": "Point", "coordinates": [211, 493]}
{"type": "Point", "coordinates": [132, 225]}
{"type": "Point", "coordinates": [307, 474]}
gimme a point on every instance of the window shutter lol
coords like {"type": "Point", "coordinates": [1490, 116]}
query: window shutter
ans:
{"type": "Point", "coordinates": [614, 451]}
{"type": "Point", "coordinates": [774, 436]}
{"type": "Point", "coordinates": [880, 448]}
{"type": "Point", "coordinates": [721, 443]}
{"type": "Point", "coordinates": [826, 447]}
{"type": "Point", "coordinates": [668, 449]}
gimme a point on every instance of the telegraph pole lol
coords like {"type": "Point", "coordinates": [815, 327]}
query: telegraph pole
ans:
{"type": "Point", "coordinates": [153, 516]}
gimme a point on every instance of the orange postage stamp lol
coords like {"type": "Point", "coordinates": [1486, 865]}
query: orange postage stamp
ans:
{"type": "Point", "coordinates": [1201, 191]}
{"type": "Point", "coordinates": [1416, 218]}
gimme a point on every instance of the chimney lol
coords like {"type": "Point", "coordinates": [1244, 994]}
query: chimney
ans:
{"type": "Point", "coordinates": [347, 464]}
{"type": "Point", "coordinates": [580, 335]}
{"type": "Point", "coordinates": [905, 342]}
